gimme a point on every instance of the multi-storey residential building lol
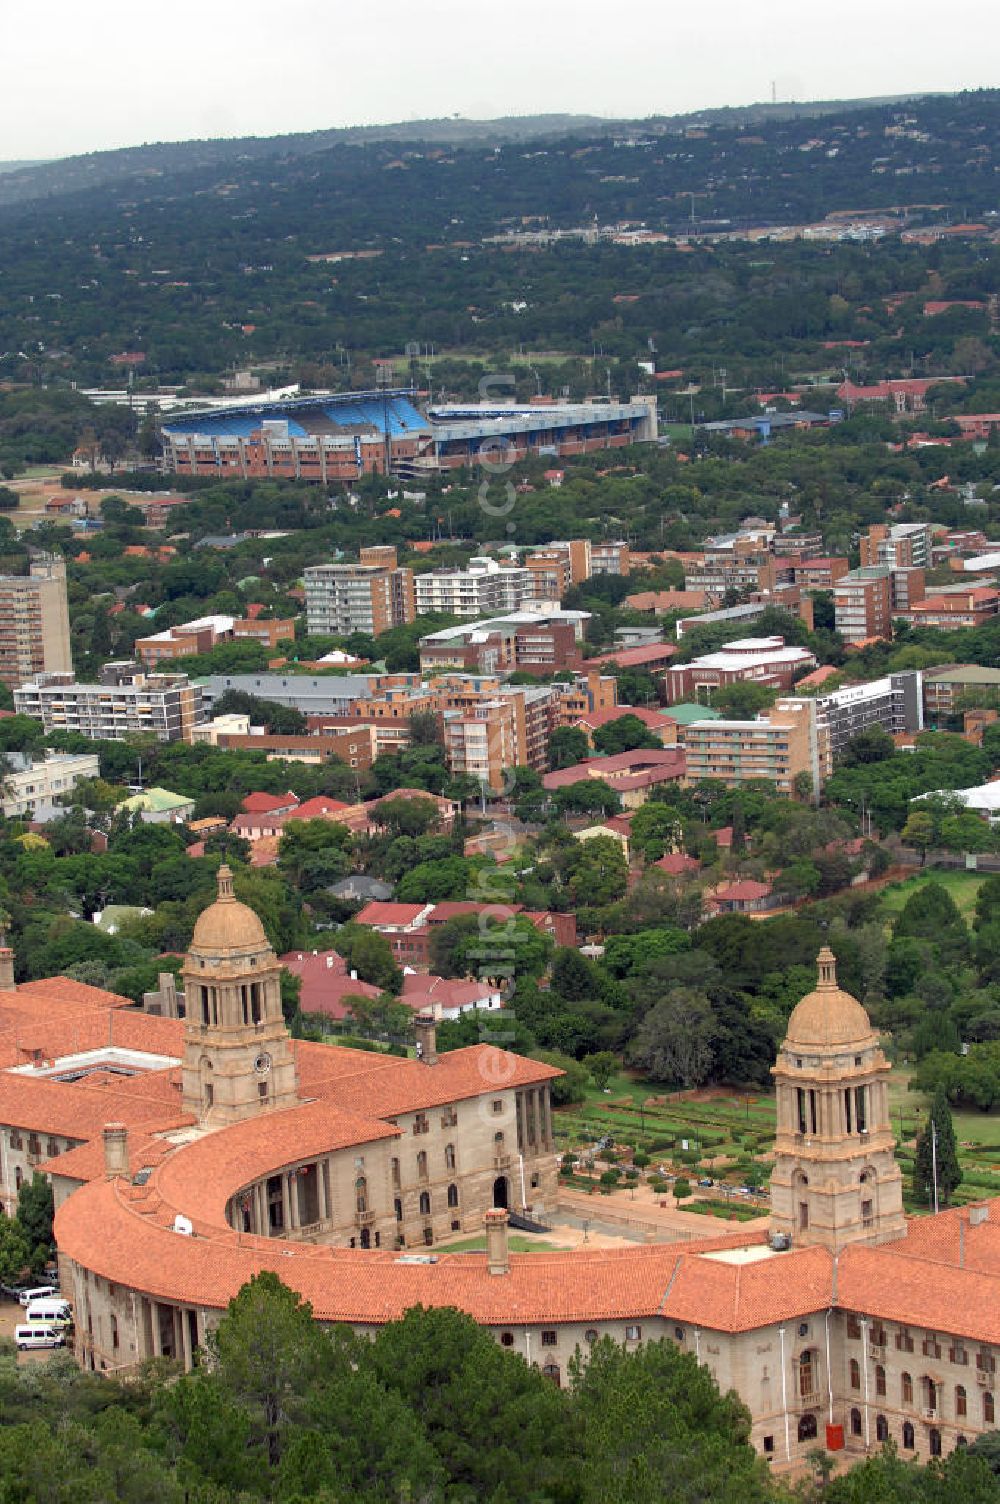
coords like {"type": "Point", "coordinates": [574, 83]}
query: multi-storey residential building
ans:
{"type": "Point", "coordinates": [126, 702]}
{"type": "Point", "coordinates": [946, 688]}
{"type": "Point", "coordinates": [893, 703]}
{"type": "Point", "coordinates": [483, 587]}
{"type": "Point", "coordinates": [760, 660]}
{"type": "Point", "coordinates": [900, 545]}
{"type": "Point", "coordinates": [954, 610]}
{"type": "Point", "coordinates": [204, 633]}
{"type": "Point", "coordinates": [775, 748]}
{"type": "Point", "coordinates": [539, 642]}
{"type": "Point", "coordinates": [345, 598]}
{"type": "Point", "coordinates": [610, 558]}
{"type": "Point", "coordinates": [632, 775]}
{"type": "Point", "coordinates": [862, 603]}
{"type": "Point", "coordinates": [34, 623]}
{"type": "Point", "coordinates": [551, 572]}
{"type": "Point", "coordinates": [500, 732]}
{"type": "Point", "coordinates": [28, 787]}
{"type": "Point", "coordinates": [819, 573]}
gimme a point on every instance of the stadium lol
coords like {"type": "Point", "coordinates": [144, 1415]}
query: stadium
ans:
{"type": "Point", "coordinates": [341, 436]}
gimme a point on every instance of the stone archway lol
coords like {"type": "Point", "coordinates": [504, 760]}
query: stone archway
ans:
{"type": "Point", "coordinates": [501, 1192]}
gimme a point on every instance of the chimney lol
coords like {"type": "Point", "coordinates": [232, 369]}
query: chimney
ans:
{"type": "Point", "coordinates": [425, 1028]}
{"type": "Point", "coordinates": [7, 983]}
{"type": "Point", "coordinates": [497, 1253]}
{"type": "Point", "coordinates": [115, 1150]}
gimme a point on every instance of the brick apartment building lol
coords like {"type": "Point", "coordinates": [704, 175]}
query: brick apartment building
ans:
{"type": "Point", "coordinates": [760, 660]}
{"type": "Point", "coordinates": [776, 748]}
{"type": "Point", "coordinates": [954, 610]}
{"type": "Point", "coordinates": [537, 643]}
{"type": "Point", "coordinates": [346, 598]}
{"type": "Point", "coordinates": [126, 702]}
{"type": "Point", "coordinates": [34, 622]}
{"type": "Point", "coordinates": [946, 688]}
{"type": "Point", "coordinates": [206, 632]}
{"type": "Point", "coordinates": [862, 604]}
{"type": "Point", "coordinates": [900, 545]}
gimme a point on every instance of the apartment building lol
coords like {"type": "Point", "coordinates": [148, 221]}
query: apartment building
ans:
{"type": "Point", "coordinates": [954, 610]}
{"type": "Point", "coordinates": [610, 558]}
{"type": "Point", "coordinates": [205, 632]}
{"type": "Point", "coordinates": [946, 688]}
{"type": "Point", "coordinates": [775, 748]}
{"type": "Point", "coordinates": [820, 573]}
{"type": "Point", "coordinates": [537, 642]}
{"type": "Point", "coordinates": [346, 598]}
{"type": "Point", "coordinates": [32, 784]}
{"type": "Point", "coordinates": [862, 603]}
{"type": "Point", "coordinates": [894, 703]}
{"type": "Point", "coordinates": [551, 573]}
{"type": "Point", "coordinates": [733, 561]}
{"type": "Point", "coordinates": [126, 702]}
{"type": "Point", "coordinates": [900, 545]}
{"type": "Point", "coordinates": [760, 660]}
{"type": "Point", "coordinates": [511, 729]}
{"type": "Point", "coordinates": [485, 586]}
{"type": "Point", "coordinates": [34, 622]}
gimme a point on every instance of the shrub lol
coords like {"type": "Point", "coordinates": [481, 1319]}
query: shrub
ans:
{"type": "Point", "coordinates": [682, 1188]}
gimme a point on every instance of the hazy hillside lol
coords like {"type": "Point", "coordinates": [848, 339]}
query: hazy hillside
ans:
{"type": "Point", "coordinates": [42, 180]}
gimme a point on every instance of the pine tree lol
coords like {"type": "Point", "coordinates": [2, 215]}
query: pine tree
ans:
{"type": "Point", "coordinates": [949, 1171]}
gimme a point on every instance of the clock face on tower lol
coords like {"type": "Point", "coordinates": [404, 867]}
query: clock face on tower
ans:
{"type": "Point", "coordinates": [262, 1064]}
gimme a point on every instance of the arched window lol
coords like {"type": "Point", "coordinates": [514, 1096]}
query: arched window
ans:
{"type": "Point", "coordinates": [855, 1422]}
{"type": "Point", "coordinates": [807, 1428]}
{"type": "Point", "coordinates": [881, 1428]}
{"type": "Point", "coordinates": [397, 1207]}
{"type": "Point", "coordinates": [961, 1400]}
{"type": "Point", "coordinates": [449, 1156]}
{"type": "Point", "coordinates": [361, 1193]}
{"type": "Point", "coordinates": [425, 1204]}
{"type": "Point", "coordinates": [422, 1165]}
{"type": "Point", "coordinates": [907, 1386]}
{"type": "Point", "coordinates": [961, 1441]}
{"type": "Point", "coordinates": [989, 1409]}
{"type": "Point", "coordinates": [855, 1374]}
{"type": "Point", "coordinates": [453, 1195]}
{"type": "Point", "coordinates": [930, 1394]}
{"type": "Point", "coordinates": [934, 1441]}
{"type": "Point", "coordinates": [807, 1372]}
{"type": "Point", "coordinates": [551, 1371]}
{"type": "Point", "coordinates": [907, 1436]}
{"type": "Point", "coordinates": [879, 1379]}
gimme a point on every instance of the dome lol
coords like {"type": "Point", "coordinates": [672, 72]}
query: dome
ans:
{"type": "Point", "coordinates": [828, 1016]}
{"type": "Point", "coordinates": [227, 925]}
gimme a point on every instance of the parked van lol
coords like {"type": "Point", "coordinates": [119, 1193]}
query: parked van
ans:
{"type": "Point", "coordinates": [39, 1334]}
{"type": "Point", "coordinates": [54, 1310]}
{"type": "Point", "coordinates": [37, 1292]}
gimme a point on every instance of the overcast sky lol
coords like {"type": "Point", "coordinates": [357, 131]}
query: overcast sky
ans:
{"type": "Point", "coordinates": [80, 78]}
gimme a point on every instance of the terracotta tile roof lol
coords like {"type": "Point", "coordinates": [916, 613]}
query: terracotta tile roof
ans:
{"type": "Point", "coordinates": [379, 912]}
{"type": "Point", "coordinates": [676, 862]}
{"type": "Point", "coordinates": [266, 804]}
{"type": "Point", "coordinates": [65, 991]}
{"type": "Point", "coordinates": [377, 1085]}
{"type": "Point", "coordinates": [199, 1178]}
{"type": "Point", "coordinates": [318, 809]}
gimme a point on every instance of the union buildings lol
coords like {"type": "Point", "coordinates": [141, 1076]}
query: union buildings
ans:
{"type": "Point", "coordinates": [192, 1148]}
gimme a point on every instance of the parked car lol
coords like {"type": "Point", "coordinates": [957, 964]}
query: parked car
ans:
{"type": "Point", "coordinates": [706, 1182]}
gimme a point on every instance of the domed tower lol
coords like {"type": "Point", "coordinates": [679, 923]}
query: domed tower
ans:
{"type": "Point", "coordinates": [238, 1058]}
{"type": "Point", "coordinates": [835, 1178]}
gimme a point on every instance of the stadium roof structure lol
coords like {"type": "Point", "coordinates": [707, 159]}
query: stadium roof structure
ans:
{"type": "Point", "coordinates": [327, 412]}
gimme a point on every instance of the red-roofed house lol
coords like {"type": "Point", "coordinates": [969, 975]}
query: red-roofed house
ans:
{"type": "Point", "coordinates": [269, 804]}
{"type": "Point", "coordinates": [744, 897]}
{"type": "Point", "coordinates": [630, 774]}
{"type": "Point", "coordinates": [677, 864]}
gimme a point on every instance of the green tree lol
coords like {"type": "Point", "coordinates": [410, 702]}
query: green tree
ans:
{"type": "Point", "coordinates": [743, 700]}
{"type": "Point", "coordinates": [369, 954]}
{"type": "Point", "coordinates": [625, 734]}
{"type": "Point", "coordinates": [267, 1351]}
{"type": "Point", "coordinates": [919, 832]}
{"type": "Point", "coordinates": [35, 1211]}
{"type": "Point", "coordinates": [937, 1137]}
{"type": "Point", "coordinates": [15, 1250]}
{"type": "Point", "coordinates": [568, 745]}
{"type": "Point", "coordinates": [601, 1066]}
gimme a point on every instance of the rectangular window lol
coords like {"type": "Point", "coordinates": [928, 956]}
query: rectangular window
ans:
{"type": "Point", "coordinates": [633, 1333]}
{"type": "Point", "coordinates": [548, 1339]}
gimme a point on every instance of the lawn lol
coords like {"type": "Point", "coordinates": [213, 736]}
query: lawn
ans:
{"type": "Point", "coordinates": [517, 1242]}
{"type": "Point", "coordinates": [963, 887]}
